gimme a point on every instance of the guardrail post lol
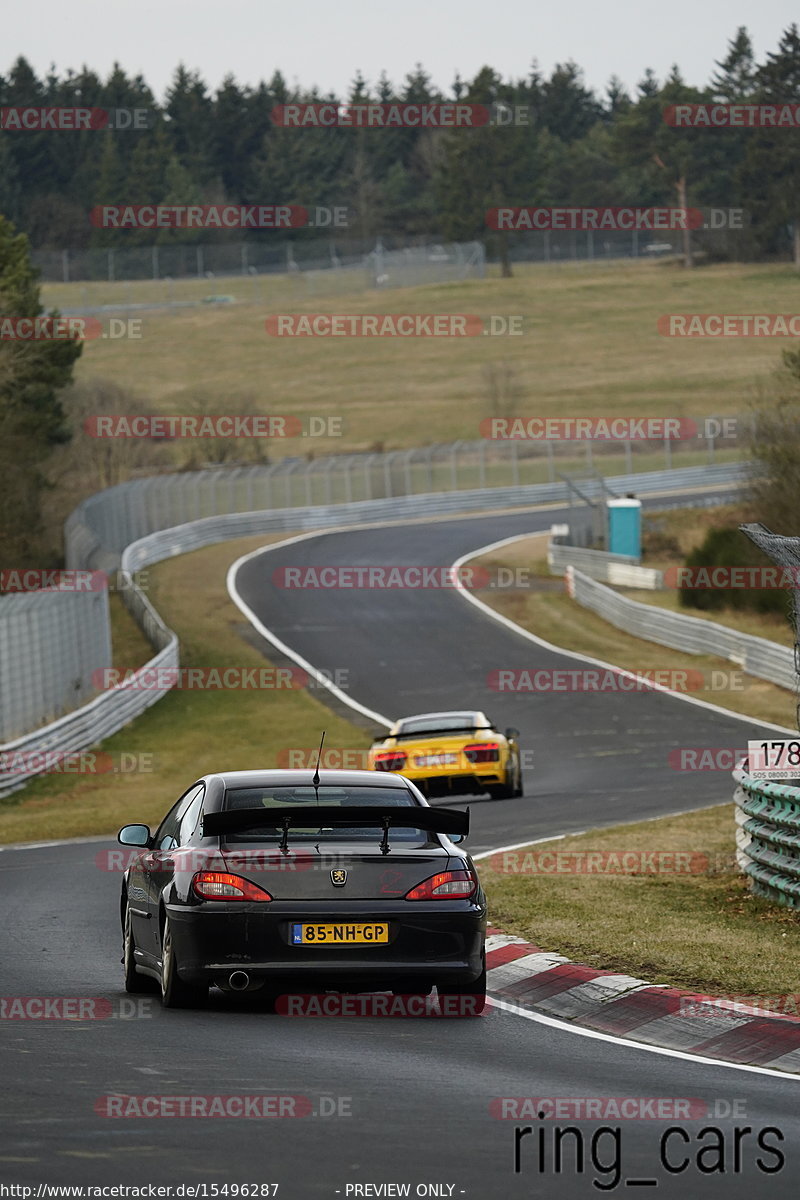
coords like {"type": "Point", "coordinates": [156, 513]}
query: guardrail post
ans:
{"type": "Point", "coordinates": [407, 472]}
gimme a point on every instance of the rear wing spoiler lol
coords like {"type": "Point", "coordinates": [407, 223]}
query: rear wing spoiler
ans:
{"type": "Point", "coordinates": [377, 816]}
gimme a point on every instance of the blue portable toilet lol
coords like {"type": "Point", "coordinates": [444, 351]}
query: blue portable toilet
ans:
{"type": "Point", "coordinates": [625, 527]}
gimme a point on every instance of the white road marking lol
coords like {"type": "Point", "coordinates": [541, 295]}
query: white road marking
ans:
{"type": "Point", "coordinates": [582, 1031]}
{"type": "Point", "coordinates": [274, 640]}
{"type": "Point", "coordinates": [99, 837]}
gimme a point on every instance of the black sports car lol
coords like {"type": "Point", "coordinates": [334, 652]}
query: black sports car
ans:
{"type": "Point", "coordinates": [299, 882]}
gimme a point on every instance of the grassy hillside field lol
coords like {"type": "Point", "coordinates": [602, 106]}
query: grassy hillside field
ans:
{"type": "Point", "coordinates": [589, 346]}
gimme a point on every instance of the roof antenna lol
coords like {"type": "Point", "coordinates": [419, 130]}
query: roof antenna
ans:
{"type": "Point", "coordinates": [315, 779]}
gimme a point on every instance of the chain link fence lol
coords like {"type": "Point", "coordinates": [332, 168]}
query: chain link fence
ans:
{"type": "Point", "coordinates": [100, 528]}
{"type": "Point", "coordinates": [378, 262]}
{"type": "Point", "coordinates": [51, 642]}
{"type": "Point", "coordinates": [36, 752]}
{"type": "Point", "coordinates": [340, 265]}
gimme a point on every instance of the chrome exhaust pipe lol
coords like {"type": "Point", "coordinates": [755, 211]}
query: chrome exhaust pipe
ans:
{"type": "Point", "coordinates": [238, 981]}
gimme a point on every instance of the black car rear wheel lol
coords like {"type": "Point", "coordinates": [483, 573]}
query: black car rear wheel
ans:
{"type": "Point", "coordinates": [176, 992]}
{"type": "Point", "coordinates": [511, 788]}
{"type": "Point", "coordinates": [473, 997]}
{"type": "Point", "coordinates": [134, 982]}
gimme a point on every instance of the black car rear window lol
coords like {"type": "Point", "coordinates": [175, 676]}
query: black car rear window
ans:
{"type": "Point", "coordinates": [306, 797]}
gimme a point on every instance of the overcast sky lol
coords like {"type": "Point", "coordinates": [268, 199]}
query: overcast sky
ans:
{"type": "Point", "coordinates": [325, 42]}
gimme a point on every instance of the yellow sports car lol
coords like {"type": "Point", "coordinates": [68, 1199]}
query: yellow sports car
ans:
{"type": "Point", "coordinates": [449, 753]}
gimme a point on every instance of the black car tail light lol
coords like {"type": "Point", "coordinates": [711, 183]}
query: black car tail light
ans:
{"type": "Point", "coordinates": [219, 885]}
{"type": "Point", "coordinates": [481, 752]}
{"type": "Point", "coordinates": [448, 885]}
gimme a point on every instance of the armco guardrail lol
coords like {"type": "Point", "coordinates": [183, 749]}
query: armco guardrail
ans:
{"type": "Point", "coordinates": [756, 656]}
{"type": "Point", "coordinates": [768, 837]}
{"type": "Point", "coordinates": [93, 522]}
{"type": "Point", "coordinates": [622, 575]}
{"type": "Point", "coordinates": [622, 570]}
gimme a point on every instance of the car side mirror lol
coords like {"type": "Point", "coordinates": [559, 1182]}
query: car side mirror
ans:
{"type": "Point", "coordinates": [134, 835]}
{"type": "Point", "coordinates": [456, 837]}
{"type": "Point", "coordinates": [512, 733]}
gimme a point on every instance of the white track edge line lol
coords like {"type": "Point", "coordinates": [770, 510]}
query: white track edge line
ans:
{"type": "Point", "coordinates": [273, 639]}
{"type": "Point", "coordinates": [584, 1031]}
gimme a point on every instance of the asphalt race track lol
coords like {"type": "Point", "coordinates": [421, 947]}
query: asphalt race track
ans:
{"type": "Point", "coordinates": [397, 1102]}
{"type": "Point", "coordinates": [599, 758]}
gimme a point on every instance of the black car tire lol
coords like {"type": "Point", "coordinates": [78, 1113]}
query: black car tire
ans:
{"type": "Point", "coordinates": [507, 790]}
{"type": "Point", "coordinates": [134, 982]}
{"type": "Point", "coordinates": [175, 992]}
{"type": "Point", "coordinates": [475, 991]}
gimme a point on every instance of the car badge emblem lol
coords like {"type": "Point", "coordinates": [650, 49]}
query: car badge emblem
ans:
{"type": "Point", "coordinates": [339, 877]}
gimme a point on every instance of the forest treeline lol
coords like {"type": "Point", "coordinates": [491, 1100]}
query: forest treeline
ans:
{"type": "Point", "coordinates": [577, 147]}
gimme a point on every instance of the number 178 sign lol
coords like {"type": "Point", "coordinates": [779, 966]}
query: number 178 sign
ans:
{"type": "Point", "coordinates": [774, 760]}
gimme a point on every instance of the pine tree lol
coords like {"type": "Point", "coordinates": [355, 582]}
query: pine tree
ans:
{"type": "Point", "coordinates": [486, 167]}
{"type": "Point", "coordinates": [665, 162]}
{"type": "Point", "coordinates": [770, 174]}
{"type": "Point", "coordinates": [735, 79]}
{"type": "Point", "coordinates": [569, 109]}
{"type": "Point", "coordinates": [617, 98]}
{"type": "Point", "coordinates": [190, 110]}
{"type": "Point", "coordinates": [31, 416]}
{"type": "Point", "coordinates": [230, 137]}
{"type": "Point", "coordinates": [648, 86]}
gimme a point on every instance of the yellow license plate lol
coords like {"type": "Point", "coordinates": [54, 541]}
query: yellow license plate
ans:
{"type": "Point", "coordinates": [339, 935]}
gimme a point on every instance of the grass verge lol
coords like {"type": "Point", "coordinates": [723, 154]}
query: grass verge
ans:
{"type": "Point", "coordinates": [129, 647]}
{"type": "Point", "coordinates": [703, 931]}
